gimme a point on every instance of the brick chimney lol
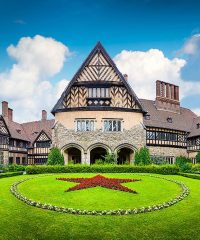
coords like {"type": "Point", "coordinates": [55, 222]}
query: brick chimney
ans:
{"type": "Point", "coordinates": [44, 115]}
{"type": "Point", "coordinates": [167, 97]}
{"type": "Point", "coordinates": [10, 114]}
{"type": "Point", "coordinates": [5, 109]}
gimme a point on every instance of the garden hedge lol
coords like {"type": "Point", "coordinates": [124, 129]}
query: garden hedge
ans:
{"type": "Point", "coordinates": [78, 168]}
{"type": "Point", "coordinates": [12, 168]}
{"type": "Point", "coordinates": [195, 168]}
{"type": "Point", "coordinates": [190, 175]}
{"type": "Point", "coordinates": [10, 174]}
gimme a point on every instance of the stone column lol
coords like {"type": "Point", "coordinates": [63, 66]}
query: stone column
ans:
{"type": "Point", "coordinates": [5, 157]}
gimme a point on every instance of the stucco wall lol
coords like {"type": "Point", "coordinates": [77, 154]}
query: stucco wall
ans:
{"type": "Point", "coordinates": [130, 119]}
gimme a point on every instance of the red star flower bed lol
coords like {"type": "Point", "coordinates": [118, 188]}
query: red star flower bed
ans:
{"type": "Point", "coordinates": [98, 180]}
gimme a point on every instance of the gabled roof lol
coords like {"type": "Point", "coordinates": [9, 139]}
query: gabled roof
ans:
{"type": "Point", "coordinates": [3, 126]}
{"type": "Point", "coordinates": [34, 129]}
{"type": "Point", "coordinates": [16, 130]}
{"type": "Point", "coordinates": [98, 48]}
{"type": "Point", "coordinates": [159, 118]}
{"type": "Point", "coordinates": [194, 131]}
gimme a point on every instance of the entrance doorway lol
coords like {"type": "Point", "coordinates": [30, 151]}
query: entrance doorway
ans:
{"type": "Point", "coordinates": [96, 154]}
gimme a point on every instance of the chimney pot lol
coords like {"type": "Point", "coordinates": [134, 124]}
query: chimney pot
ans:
{"type": "Point", "coordinates": [44, 115]}
{"type": "Point", "coordinates": [5, 109]}
{"type": "Point", "coordinates": [10, 114]}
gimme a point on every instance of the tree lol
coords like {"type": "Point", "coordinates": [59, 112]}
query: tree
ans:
{"type": "Point", "coordinates": [198, 157]}
{"type": "Point", "coordinates": [55, 157]}
{"type": "Point", "coordinates": [142, 156]}
{"type": "Point", "coordinates": [110, 158]}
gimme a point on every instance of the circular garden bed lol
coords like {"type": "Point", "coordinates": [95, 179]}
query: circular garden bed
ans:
{"type": "Point", "coordinates": [148, 193]}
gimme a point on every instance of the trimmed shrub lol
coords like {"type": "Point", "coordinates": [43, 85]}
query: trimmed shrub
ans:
{"type": "Point", "coordinates": [198, 157]}
{"type": "Point", "coordinates": [79, 168]}
{"type": "Point", "coordinates": [184, 163]}
{"type": "Point", "coordinates": [12, 168]}
{"type": "Point", "coordinates": [10, 174]}
{"type": "Point", "coordinates": [142, 157]}
{"type": "Point", "coordinates": [195, 168]}
{"type": "Point", "coordinates": [190, 175]}
{"type": "Point", "coordinates": [55, 157]}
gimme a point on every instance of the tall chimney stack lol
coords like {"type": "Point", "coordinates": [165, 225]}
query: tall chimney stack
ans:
{"type": "Point", "coordinates": [44, 115]}
{"type": "Point", "coordinates": [10, 114]}
{"type": "Point", "coordinates": [5, 109]}
{"type": "Point", "coordinates": [167, 96]}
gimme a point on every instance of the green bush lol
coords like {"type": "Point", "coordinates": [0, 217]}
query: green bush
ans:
{"type": "Point", "coordinates": [10, 174]}
{"type": "Point", "coordinates": [190, 175]}
{"type": "Point", "coordinates": [55, 157]}
{"type": "Point", "coordinates": [12, 168]}
{"type": "Point", "coordinates": [142, 157]}
{"type": "Point", "coordinates": [99, 161]}
{"type": "Point", "coordinates": [95, 168]}
{"type": "Point", "coordinates": [198, 157]}
{"type": "Point", "coordinates": [195, 168]}
{"type": "Point", "coordinates": [110, 158]}
{"type": "Point", "coordinates": [183, 163]}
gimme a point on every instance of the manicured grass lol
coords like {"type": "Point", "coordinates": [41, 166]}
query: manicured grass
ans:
{"type": "Point", "coordinates": [51, 191]}
{"type": "Point", "coordinates": [20, 221]}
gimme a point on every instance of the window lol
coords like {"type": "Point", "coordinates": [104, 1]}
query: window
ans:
{"type": "Point", "coordinates": [24, 162]}
{"type": "Point", "coordinates": [18, 160]}
{"type": "Point", "coordinates": [98, 93]}
{"type": "Point", "coordinates": [84, 125]}
{"type": "Point", "coordinates": [147, 117]}
{"type": "Point", "coordinates": [43, 144]}
{"type": "Point", "coordinates": [1, 158]}
{"type": "Point", "coordinates": [169, 119]}
{"type": "Point", "coordinates": [111, 125]}
{"type": "Point", "coordinates": [10, 160]}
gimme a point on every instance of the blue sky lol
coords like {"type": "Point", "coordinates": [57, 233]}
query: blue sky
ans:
{"type": "Point", "coordinates": [120, 25]}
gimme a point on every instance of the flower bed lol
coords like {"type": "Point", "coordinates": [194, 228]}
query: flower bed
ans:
{"type": "Point", "coordinates": [184, 193]}
{"type": "Point", "coordinates": [98, 180]}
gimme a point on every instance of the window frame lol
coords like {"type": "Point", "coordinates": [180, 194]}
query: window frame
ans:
{"type": "Point", "coordinates": [117, 120]}
{"type": "Point", "coordinates": [83, 122]}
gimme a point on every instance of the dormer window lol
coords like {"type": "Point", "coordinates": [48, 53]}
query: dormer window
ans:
{"type": "Point", "coordinates": [18, 130]}
{"type": "Point", "coordinates": [169, 120]}
{"type": "Point", "coordinates": [147, 117]}
{"type": "Point", "coordinates": [198, 125]}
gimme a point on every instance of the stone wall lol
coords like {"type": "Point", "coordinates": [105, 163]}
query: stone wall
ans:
{"type": "Point", "coordinates": [86, 141]}
{"type": "Point", "coordinates": [167, 151]}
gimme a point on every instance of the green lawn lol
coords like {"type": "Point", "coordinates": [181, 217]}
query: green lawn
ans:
{"type": "Point", "coordinates": [20, 221]}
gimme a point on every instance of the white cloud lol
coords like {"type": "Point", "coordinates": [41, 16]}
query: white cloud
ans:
{"type": "Point", "coordinates": [192, 45]}
{"type": "Point", "coordinates": [197, 111]}
{"type": "Point", "coordinates": [144, 68]}
{"type": "Point", "coordinates": [27, 84]}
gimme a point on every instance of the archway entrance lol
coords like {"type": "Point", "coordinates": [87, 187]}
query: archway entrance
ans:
{"type": "Point", "coordinates": [97, 153]}
{"type": "Point", "coordinates": [73, 155]}
{"type": "Point", "coordinates": [125, 155]}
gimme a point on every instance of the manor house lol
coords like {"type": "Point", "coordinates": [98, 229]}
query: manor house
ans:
{"type": "Point", "coordinates": [99, 112]}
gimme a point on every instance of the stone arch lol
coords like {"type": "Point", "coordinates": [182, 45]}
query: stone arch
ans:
{"type": "Point", "coordinates": [73, 152]}
{"type": "Point", "coordinates": [126, 153]}
{"type": "Point", "coordinates": [96, 151]}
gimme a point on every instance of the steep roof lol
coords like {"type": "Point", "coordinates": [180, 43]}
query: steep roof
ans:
{"type": "Point", "coordinates": [33, 129]}
{"type": "Point", "coordinates": [194, 131]}
{"type": "Point", "coordinates": [159, 118]}
{"type": "Point", "coordinates": [29, 131]}
{"type": "Point", "coordinates": [106, 59]}
{"type": "Point", "coordinates": [16, 130]}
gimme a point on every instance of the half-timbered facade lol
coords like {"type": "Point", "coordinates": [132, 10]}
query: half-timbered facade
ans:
{"type": "Point", "coordinates": [26, 143]}
{"type": "Point", "coordinates": [99, 112]}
